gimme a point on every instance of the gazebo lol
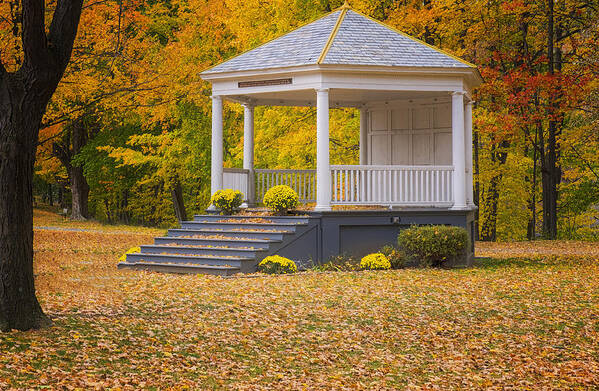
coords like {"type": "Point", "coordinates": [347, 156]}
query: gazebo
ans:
{"type": "Point", "coordinates": [414, 101]}
{"type": "Point", "coordinates": [415, 149]}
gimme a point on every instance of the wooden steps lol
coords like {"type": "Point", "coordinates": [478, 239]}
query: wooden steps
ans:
{"type": "Point", "coordinates": [217, 245]}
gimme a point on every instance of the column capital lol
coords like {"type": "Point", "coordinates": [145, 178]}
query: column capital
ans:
{"type": "Point", "coordinates": [470, 102]}
{"type": "Point", "coordinates": [322, 90]}
{"type": "Point", "coordinates": [216, 97]}
{"type": "Point", "coordinates": [249, 105]}
{"type": "Point", "coordinates": [458, 93]}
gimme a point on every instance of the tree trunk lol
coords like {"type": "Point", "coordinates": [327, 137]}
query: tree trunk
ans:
{"type": "Point", "coordinates": [80, 194]}
{"type": "Point", "coordinates": [551, 173]}
{"type": "Point", "coordinates": [19, 122]}
{"type": "Point", "coordinates": [79, 187]}
{"type": "Point", "coordinates": [24, 95]}
{"type": "Point", "coordinates": [488, 231]}
{"type": "Point", "coordinates": [476, 184]}
{"type": "Point", "coordinates": [177, 193]}
{"type": "Point", "coordinates": [532, 205]}
{"type": "Point", "coordinates": [50, 194]}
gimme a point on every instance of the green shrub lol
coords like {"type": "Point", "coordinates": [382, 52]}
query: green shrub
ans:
{"type": "Point", "coordinates": [281, 198]}
{"type": "Point", "coordinates": [395, 256]}
{"type": "Point", "coordinates": [132, 250]}
{"type": "Point", "coordinates": [433, 245]}
{"type": "Point", "coordinates": [376, 261]}
{"type": "Point", "coordinates": [227, 201]}
{"type": "Point", "coordinates": [276, 264]}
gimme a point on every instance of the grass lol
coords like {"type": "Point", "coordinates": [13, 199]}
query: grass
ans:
{"type": "Point", "coordinates": [526, 317]}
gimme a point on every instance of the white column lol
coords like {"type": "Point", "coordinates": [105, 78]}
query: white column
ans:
{"type": "Point", "coordinates": [363, 136]}
{"type": "Point", "coordinates": [458, 154]}
{"type": "Point", "coordinates": [323, 171]}
{"type": "Point", "coordinates": [248, 151]}
{"type": "Point", "coordinates": [217, 144]}
{"type": "Point", "coordinates": [468, 147]}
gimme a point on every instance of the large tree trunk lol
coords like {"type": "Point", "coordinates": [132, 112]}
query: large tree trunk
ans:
{"type": "Point", "coordinates": [19, 308]}
{"type": "Point", "coordinates": [24, 95]}
{"type": "Point", "coordinates": [551, 172]}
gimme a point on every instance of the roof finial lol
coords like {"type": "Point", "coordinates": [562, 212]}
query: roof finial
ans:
{"type": "Point", "coordinates": [346, 4]}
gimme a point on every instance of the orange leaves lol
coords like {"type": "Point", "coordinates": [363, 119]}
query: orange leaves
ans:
{"type": "Point", "coordinates": [524, 322]}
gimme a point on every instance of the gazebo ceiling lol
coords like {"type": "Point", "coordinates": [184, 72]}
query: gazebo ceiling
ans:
{"type": "Point", "coordinates": [343, 37]}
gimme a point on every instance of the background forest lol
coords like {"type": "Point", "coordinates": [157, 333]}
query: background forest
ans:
{"type": "Point", "coordinates": [128, 130]}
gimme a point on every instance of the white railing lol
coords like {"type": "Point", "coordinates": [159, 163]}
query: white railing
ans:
{"type": "Point", "coordinates": [236, 179]}
{"type": "Point", "coordinates": [302, 181]}
{"type": "Point", "coordinates": [392, 185]}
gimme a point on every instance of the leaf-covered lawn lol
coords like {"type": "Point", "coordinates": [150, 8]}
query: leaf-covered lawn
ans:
{"type": "Point", "coordinates": [531, 322]}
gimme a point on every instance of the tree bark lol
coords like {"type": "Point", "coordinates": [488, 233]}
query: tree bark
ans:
{"type": "Point", "coordinates": [551, 172]}
{"type": "Point", "coordinates": [79, 185]}
{"type": "Point", "coordinates": [177, 193]}
{"type": "Point", "coordinates": [24, 95]}
{"type": "Point", "coordinates": [476, 184]}
{"type": "Point", "coordinates": [79, 193]}
{"type": "Point", "coordinates": [488, 231]}
{"type": "Point", "coordinates": [19, 308]}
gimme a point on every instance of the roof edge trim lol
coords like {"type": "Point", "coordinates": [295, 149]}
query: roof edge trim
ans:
{"type": "Point", "coordinates": [329, 43]}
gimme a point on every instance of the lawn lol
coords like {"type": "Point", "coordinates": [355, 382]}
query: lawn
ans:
{"type": "Point", "coordinates": [525, 317]}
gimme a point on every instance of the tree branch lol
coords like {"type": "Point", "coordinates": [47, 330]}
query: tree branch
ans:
{"type": "Point", "coordinates": [63, 30]}
{"type": "Point", "coordinates": [35, 45]}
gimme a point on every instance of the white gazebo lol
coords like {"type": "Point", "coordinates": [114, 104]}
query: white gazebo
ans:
{"type": "Point", "coordinates": [415, 104]}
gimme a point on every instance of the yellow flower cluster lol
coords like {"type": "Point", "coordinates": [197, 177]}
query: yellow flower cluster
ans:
{"type": "Point", "coordinates": [376, 261]}
{"type": "Point", "coordinates": [227, 200]}
{"type": "Point", "coordinates": [281, 198]}
{"type": "Point", "coordinates": [132, 250]}
{"type": "Point", "coordinates": [275, 264]}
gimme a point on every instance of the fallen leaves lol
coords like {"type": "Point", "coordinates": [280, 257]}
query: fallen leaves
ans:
{"type": "Point", "coordinates": [527, 322]}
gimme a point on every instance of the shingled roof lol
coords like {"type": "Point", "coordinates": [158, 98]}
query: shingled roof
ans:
{"type": "Point", "coordinates": [343, 37]}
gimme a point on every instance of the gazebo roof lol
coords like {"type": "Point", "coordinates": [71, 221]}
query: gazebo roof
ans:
{"type": "Point", "coordinates": [343, 37]}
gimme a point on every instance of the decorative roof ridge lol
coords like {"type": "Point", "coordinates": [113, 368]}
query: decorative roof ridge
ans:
{"type": "Point", "coordinates": [327, 46]}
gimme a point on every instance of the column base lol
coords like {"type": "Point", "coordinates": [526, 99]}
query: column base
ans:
{"type": "Point", "coordinates": [460, 207]}
{"type": "Point", "coordinates": [322, 208]}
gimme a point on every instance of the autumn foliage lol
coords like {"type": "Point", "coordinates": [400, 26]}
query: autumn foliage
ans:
{"type": "Point", "coordinates": [134, 90]}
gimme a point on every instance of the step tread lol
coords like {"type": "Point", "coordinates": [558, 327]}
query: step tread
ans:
{"type": "Point", "coordinates": [183, 256]}
{"type": "Point", "coordinates": [251, 240]}
{"type": "Point", "coordinates": [245, 217]}
{"type": "Point", "coordinates": [242, 223]}
{"type": "Point", "coordinates": [236, 231]}
{"type": "Point", "coordinates": [216, 248]}
{"type": "Point", "coordinates": [188, 265]}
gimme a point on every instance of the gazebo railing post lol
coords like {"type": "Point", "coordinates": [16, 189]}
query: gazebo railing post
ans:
{"type": "Point", "coordinates": [323, 169]}
{"type": "Point", "coordinates": [248, 152]}
{"type": "Point", "coordinates": [216, 177]}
